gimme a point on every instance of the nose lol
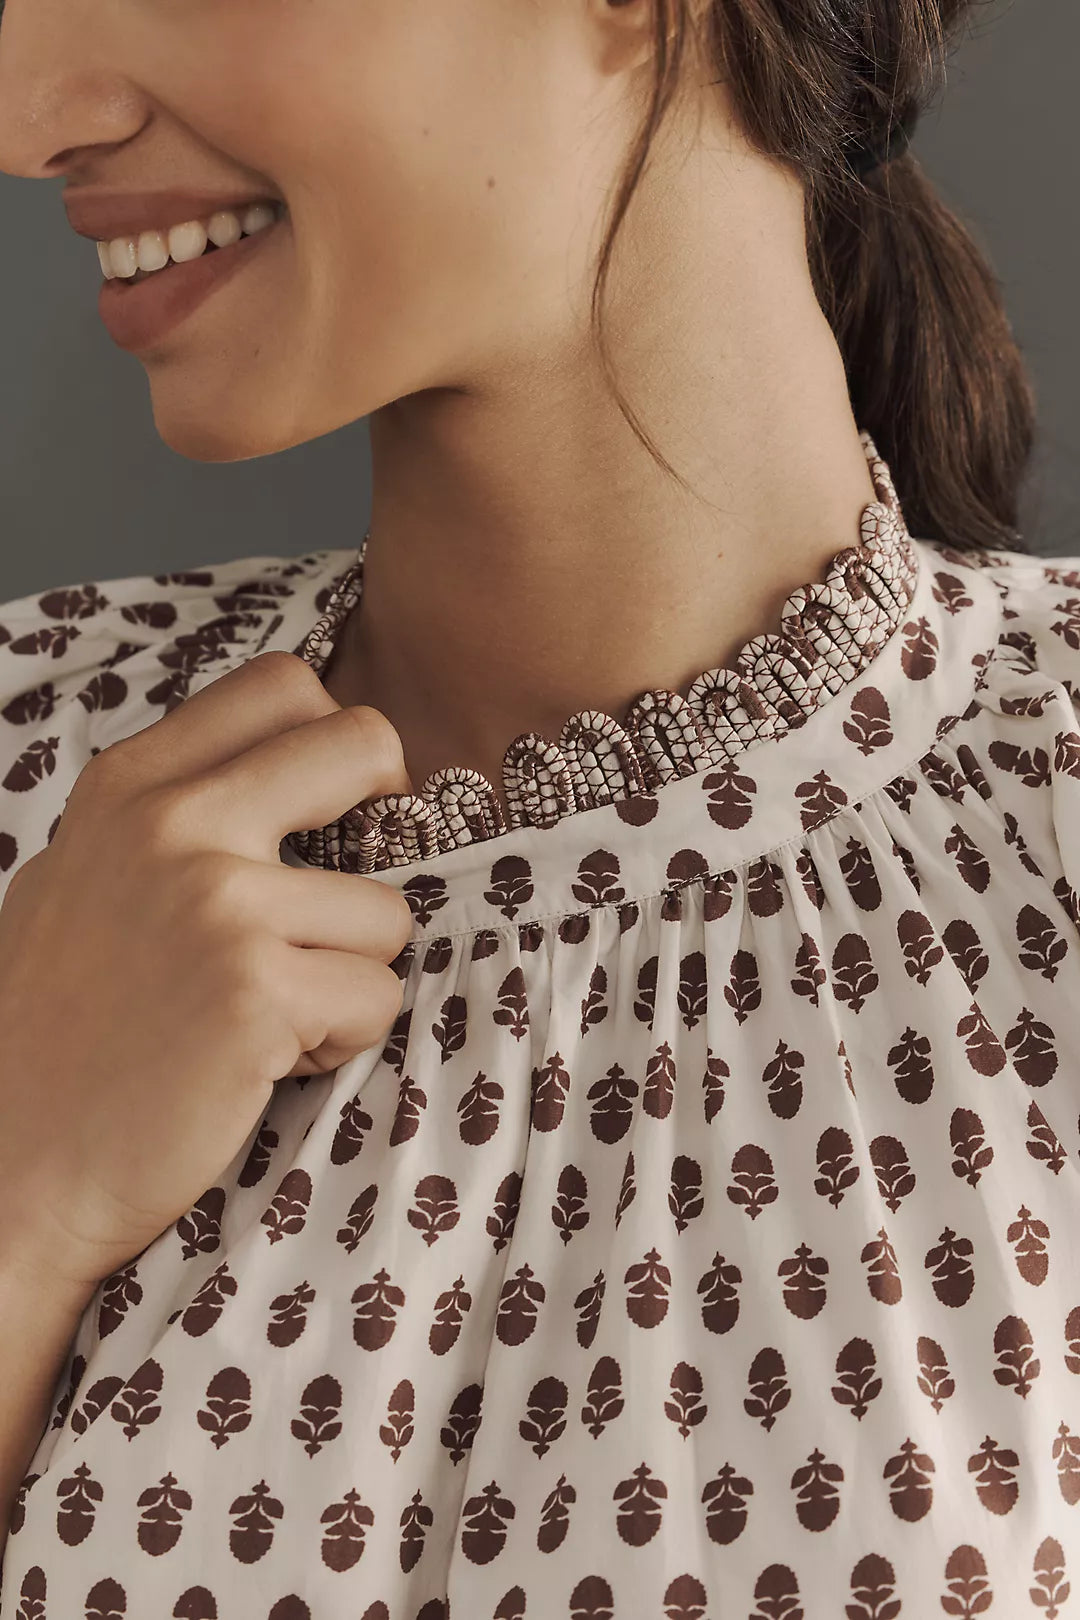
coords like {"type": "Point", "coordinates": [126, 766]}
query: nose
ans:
{"type": "Point", "coordinates": [62, 90]}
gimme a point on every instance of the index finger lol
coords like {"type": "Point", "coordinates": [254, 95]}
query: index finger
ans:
{"type": "Point", "coordinates": [262, 698]}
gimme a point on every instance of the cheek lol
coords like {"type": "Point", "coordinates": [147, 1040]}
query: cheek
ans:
{"type": "Point", "coordinates": [401, 130]}
{"type": "Point", "coordinates": [255, 81]}
{"type": "Point", "coordinates": [390, 188]}
{"type": "Point", "coordinates": [422, 175]}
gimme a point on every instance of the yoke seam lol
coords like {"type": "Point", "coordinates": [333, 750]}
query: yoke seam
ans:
{"type": "Point", "coordinates": [739, 867]}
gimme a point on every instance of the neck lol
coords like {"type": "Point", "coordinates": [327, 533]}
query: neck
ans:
{"type": "Point", "coordinates": [528, 559]}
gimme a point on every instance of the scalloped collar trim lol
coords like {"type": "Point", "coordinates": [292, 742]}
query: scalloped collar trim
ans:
{"type": "Point", "coordinates": [829, 631]}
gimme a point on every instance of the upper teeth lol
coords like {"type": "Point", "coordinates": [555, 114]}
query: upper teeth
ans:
{"type": "Point", "coordinates": [152, 250]}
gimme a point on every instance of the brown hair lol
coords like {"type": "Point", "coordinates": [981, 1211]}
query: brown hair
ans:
{"type": "Point", "coordinates": [934, 371]}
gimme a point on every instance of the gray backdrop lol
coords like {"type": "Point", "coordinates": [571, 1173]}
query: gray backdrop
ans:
{"type": "Point", "coordinates": [90, 492]}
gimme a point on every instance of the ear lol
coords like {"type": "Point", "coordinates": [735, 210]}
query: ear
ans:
{"type": "Point", "coordinates": [628, 30]}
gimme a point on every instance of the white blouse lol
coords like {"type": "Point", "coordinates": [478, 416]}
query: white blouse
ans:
{"type": "Point", "coordinates": [701, 1243]}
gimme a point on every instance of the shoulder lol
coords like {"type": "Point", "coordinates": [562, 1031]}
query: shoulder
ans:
{"type": "Point", "coordinates": [84, 665]}
{"type": "Point", "coordinates": [1016, 574]}
{"type": "Point", "coordinates": [1040, 605]}
{"type": "Point", "coordinates": [1017, 747]}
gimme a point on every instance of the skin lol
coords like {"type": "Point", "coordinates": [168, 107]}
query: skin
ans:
{"type": "Point", "coordinates": [448, 168]}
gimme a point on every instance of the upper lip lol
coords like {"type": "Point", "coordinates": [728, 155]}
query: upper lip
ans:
{"type": "Point", "coordinates": [105, 215]}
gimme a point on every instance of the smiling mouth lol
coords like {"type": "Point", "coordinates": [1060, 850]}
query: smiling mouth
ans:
{"type": "Point", "coordinates": [139, 311]}
{"type": "Point", "coordinates": [251, 222]}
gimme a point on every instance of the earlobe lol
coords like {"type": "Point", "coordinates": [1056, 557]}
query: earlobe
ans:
{"type": "Point", "coordinates": [630, 41]}
{"type": "Point", "coordinates": [645, 20]}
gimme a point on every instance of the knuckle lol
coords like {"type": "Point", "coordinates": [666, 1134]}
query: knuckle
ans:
{"type": "Point", "coordinates": [213, 887]}
{"type": "Point", "coordinates": [169, 813]}
{"type": "Point", "coordinates": [284, 669]}
{"type": "Point", "coordinates": [113, 767]}
{"type": "Point", "coordinates": [248, 975]}
{"type": "Point", "coordinates": [380, 742]}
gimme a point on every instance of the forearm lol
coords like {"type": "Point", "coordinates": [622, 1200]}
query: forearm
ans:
{"type": "Point", "coordinates": [39, 1318]}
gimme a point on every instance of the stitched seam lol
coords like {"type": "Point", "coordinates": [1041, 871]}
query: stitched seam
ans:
{"type": "Point", "coordinates": [702, 877]}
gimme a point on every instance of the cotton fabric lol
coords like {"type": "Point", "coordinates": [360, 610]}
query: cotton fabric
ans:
{"type": "Point", "coordinates": [700, 1244]}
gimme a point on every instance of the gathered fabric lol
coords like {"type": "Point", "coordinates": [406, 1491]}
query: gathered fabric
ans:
{"type": "Point", "coordinates": [701, 1242]}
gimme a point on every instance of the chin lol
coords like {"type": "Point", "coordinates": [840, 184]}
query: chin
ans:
{"type": "Point", "coordinates": [216, 433]}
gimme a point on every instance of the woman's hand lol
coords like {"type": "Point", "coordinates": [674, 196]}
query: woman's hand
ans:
{"type": "Point", "coordinates": [160, 967]}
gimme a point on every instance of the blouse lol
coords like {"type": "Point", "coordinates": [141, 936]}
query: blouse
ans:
{"type": "Point", "coordinates": [701, 1241]}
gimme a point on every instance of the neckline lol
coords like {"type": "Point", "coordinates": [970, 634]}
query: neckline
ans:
{"type": "Point", "coordinates": [829, 631]}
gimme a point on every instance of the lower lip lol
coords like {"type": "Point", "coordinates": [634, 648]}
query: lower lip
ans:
{"type": "Point", "coordinates": [138, 314]}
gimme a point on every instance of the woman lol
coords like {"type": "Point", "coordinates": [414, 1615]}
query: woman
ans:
{"type": "Point", "coordinates": [695, 1237]}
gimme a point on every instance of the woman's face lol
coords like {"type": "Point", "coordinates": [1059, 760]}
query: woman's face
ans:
{"type": "Point", "coordinates": [445, 164]}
